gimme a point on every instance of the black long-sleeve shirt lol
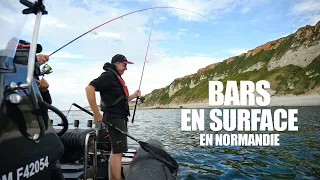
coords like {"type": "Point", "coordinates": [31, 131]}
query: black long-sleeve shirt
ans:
{"type": "Point", "coordinates": [110, 90]}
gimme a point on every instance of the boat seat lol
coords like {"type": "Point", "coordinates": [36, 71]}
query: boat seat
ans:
{"type": "Point", "coordinates": [74, 141]}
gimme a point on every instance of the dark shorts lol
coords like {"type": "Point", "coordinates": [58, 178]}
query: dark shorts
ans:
{"type": "Point", "coordinates": [119, 142]}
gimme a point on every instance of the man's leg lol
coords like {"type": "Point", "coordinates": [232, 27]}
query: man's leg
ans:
{"type": "Point", "coordinates": [115, 166]}
{"type": "Point", "coordinates": [119, 146]}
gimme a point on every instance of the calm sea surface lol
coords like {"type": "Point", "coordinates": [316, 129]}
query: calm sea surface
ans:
{"type": "Point", "coordinates": [298, 156]}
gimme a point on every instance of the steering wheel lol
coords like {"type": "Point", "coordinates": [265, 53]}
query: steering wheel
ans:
{"type": "Point", "coordinates": [64, 121]}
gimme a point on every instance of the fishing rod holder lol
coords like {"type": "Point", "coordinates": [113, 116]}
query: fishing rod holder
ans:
{"type": "Point", "coordinates": [33, 7]}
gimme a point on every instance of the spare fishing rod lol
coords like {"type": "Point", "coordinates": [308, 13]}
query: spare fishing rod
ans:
{"type": "Point", "coordinates": [133, 12]}
{"type": "Point", "coordinates": [144, 63]}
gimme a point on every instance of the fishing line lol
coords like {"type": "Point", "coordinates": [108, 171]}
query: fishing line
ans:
{"type": "Point", "coordinates": [163, 7]}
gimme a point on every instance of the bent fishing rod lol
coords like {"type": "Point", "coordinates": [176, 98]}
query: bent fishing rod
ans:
{"type": "Point", "coordinates": [133, 12]}
{"type": "Point", "coordinates": [144, 63]}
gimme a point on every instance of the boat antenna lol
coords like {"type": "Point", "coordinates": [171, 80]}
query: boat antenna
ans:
{"type": "Point", "coordinates": [38, 9]}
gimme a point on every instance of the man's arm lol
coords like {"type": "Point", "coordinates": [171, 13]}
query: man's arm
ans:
{"type": "Point", "coordinates": [134, 95]}
{"type": "Point", "coordinates": [42, 58]}
{"type": "Point", "coordinates": [46, 97]}
{"type": "Point", "coordinates": [91, 96]}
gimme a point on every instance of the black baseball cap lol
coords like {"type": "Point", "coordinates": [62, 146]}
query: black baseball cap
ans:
{"type": "Point", "coordinates": [120, 58]}
{"type": "Point", "coordinates": [26, 45]}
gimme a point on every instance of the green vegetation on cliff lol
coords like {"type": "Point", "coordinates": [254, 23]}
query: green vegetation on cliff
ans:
{"type": "Point", "coordinates": [253, 65]}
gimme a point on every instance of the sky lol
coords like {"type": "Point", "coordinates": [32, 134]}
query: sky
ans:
{"type": "Point", "coordinates": [181, 41]}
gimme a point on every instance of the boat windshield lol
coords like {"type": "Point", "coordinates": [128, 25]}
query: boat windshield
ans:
{"type": "Point", "coordinates": [11, 22]}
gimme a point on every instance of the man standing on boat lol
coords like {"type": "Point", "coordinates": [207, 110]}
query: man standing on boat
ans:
{"type": "Point", "coordinates": [115, 106]}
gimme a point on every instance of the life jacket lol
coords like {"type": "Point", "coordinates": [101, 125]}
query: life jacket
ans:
{"type": "Point", "coordinates": [125, 92]}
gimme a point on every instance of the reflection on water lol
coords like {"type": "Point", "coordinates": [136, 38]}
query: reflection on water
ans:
{"type": "Point", "coordinates": [298, 157]}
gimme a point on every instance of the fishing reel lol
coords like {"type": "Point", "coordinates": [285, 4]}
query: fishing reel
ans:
{"type": "Point", "coordinates": [46, 69]}
{"type": "Point", "coordinates": [141, 99]}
